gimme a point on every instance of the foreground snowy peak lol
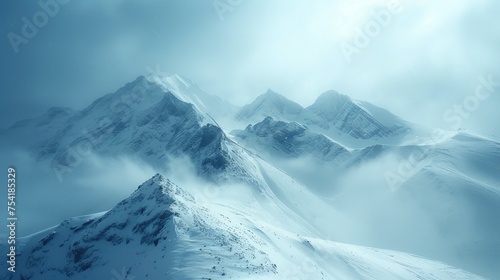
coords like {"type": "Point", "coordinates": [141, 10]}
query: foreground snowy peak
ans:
{"type": "Point", "coordinates": [87, 248]}
{"type": "Point", "coordinates": [158, 232]}
{"type": "Point", "coordinates": [162, 232]}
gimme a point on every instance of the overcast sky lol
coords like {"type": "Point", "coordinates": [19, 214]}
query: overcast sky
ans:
{"type": "Point", "coordinates": [419, 59]}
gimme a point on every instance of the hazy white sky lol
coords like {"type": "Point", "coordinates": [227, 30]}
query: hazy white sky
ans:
{"type": "Point", "coordinates": [417, 58]}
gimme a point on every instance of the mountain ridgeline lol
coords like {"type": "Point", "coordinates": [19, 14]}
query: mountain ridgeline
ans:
{"type": "Point", "coordinates": [280, 192]}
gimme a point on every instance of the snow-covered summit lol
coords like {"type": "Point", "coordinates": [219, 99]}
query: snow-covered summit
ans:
{"type": "Point", "coordinates": [190, 92]}
{"type": "Point", "coordinates": [161, 232]}
{"type": "Point", "coordinates": [341, 117]}
{"type": "Point", "coordinates": [331, 100]}
{"type": "Point", "coordinates": [269, 104]}
{"type": "Point", "coordinates": [140, 231]}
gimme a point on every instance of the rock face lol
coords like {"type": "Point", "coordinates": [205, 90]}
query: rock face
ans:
{"type": "Point", "coordinates": [292, 139]}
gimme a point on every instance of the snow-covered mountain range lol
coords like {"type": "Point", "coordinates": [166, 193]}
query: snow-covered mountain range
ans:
{"type": "Point", "coordinates": [353, 123]}
{"type": "Point", "coordinates": [293, 193]}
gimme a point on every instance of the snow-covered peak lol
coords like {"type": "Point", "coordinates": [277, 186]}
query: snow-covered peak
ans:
{"type": "Point", "coordinates": [184, 89]}
{"type": "Point", "coordinates": [161, 232]}
{"type": "Point", "coordinates": [141, 227]}
{"type": "Point", "coordinates": [269, 104]}
{"type": "Point", "coordinates": [330, 105]}
{"type": "Point", "coordinates": [172, 82]}
{"type": "Point", "coordinates": [288, 139]}
{"type": "Point", "coordinates": [154, 195]}
{"type": "Point", "coordinates": [272, 95]}
{"type": "Point", "coordinates": [270, 98]}
{"type": "Point", "coordinates": [154, 183]}
{"type": "Point", "coordinates": [331, 97]}
{"type": "Point", "coordinates": [352, 123]}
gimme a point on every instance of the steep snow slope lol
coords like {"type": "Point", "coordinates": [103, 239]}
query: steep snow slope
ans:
{"type": "Point", "coordinates": [161, 231]}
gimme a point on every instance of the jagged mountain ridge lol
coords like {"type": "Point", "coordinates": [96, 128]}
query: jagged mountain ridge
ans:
{"type": "Point", "coordinates": [353, 123]}
{"type": "Point", "coordinates": [290, 138]}
{"type": "Point", "coordinates": [142, 119]}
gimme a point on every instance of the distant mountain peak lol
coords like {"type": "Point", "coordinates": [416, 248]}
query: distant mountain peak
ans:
{"type": "Point", "coordinates": [289, 139]}
{"type": "Point", "coordinates": [331, 98]}
{"type": "Point", "coordinates": [272, 93]}
{"type": "Point", "coordinates": [269, 104]}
